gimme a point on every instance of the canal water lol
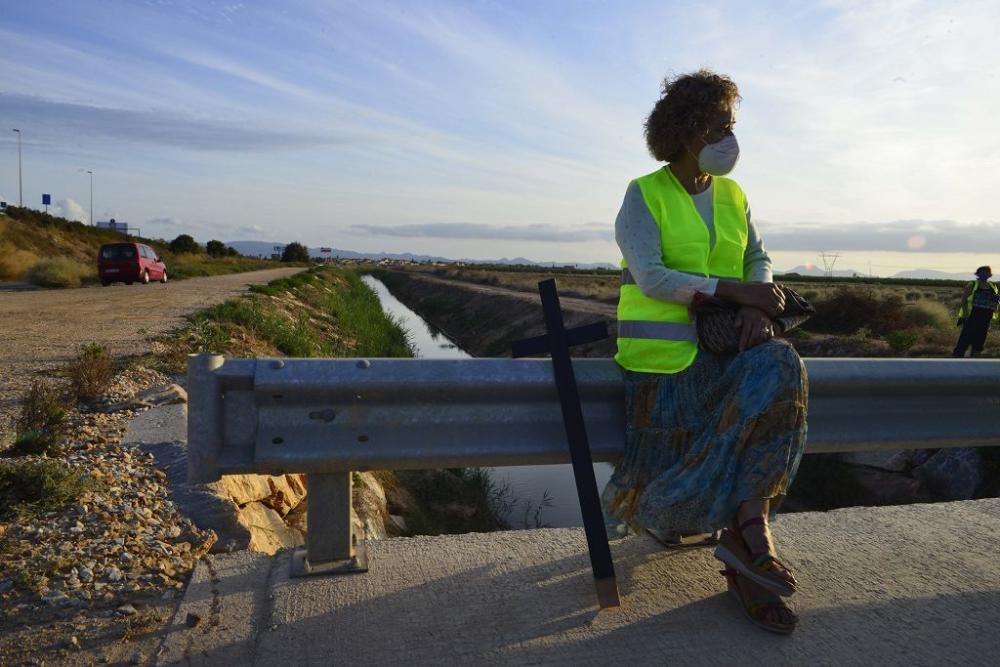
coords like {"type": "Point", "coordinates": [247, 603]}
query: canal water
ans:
{"type": "Point", "coordinates": [536, 495]}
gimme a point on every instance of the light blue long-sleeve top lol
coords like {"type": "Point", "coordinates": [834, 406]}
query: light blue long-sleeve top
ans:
{"type": "Point", "coordinates": [638, 236]}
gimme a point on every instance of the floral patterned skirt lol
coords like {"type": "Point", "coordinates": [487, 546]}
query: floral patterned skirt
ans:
{"type": "Point", "coordinates": [700, 442]}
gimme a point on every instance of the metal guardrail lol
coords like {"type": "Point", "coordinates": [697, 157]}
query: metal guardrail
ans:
{"type": "Point", "coordinates": [326, 417]}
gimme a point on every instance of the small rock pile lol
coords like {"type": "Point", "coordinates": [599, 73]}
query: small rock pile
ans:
{"type": "Point", "coordinates": [122, 540]}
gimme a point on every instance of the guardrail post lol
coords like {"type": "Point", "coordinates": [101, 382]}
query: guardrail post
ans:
{"type": "Point", "coordinates": [330, 545]}
{"type": "Point", "coordinates": [204, 417]}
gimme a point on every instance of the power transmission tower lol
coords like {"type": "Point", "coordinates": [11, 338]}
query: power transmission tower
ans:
{"type": "Point", "coordinates": [829, 260]}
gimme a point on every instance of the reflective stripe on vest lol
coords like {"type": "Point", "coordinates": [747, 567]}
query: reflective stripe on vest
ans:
{"type": "Point", "coordinates": [657, 330]}
{"type": "Point", "coordinates": [657, 336]}
{"type": "Point", "coordinates": [981, 299]}
{"type": "Point", "coordinates": [629, 279]}
{"type": "Point", "coordinates": [984, 302]}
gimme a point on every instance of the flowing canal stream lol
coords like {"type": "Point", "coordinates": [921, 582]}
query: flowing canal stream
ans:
{"type": "Point", "coordinates": [538, 495]}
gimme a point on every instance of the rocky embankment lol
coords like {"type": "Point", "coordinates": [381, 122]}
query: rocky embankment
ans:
{"type": "Point", "coordinates": [84, 579]}
{"type": "Point", "coordinates": [123, 536]}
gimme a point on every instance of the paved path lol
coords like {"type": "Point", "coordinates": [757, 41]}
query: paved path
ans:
{"type": "Point", "coordinates": [912, 585]}
{"type": "Point", "coordinates": [42, 329]}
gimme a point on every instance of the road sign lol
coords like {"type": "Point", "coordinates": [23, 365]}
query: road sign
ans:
{"type": "Point", "coordinates": [46, 200]}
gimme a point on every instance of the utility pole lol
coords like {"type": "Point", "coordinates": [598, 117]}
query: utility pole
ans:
{"type": "Point", "coordinates": [829, 260]}
{"type": "Point", "coordinates": [92, 222]}
{"type": "Point", "coordinates": [20, 193]}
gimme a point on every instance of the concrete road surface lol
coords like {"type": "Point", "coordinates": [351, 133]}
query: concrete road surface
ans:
{"type": "Point", "coordinates": [912, 585]}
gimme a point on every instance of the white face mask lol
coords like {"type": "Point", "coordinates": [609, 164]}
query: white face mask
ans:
{"type": "Point", "coordinates": [718, 159]}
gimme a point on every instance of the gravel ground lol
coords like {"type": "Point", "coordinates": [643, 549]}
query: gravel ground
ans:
{"type": "Point", "coordinates": [95, 582]}
{"type": "Point", "coordinates": [42, 329]}
{"type": "Point", "coordinates": [77, 584]}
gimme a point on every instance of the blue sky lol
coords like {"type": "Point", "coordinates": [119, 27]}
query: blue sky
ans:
{"type": "Point", "coordinates": [489, 129]}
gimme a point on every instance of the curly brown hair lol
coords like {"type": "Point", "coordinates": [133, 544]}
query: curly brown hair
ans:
{"type": "Point", "coordinates": [683, 110]}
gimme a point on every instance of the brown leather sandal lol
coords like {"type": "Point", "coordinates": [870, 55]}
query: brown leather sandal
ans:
{"type": "Point", "coordinates": [761, 568]}
{"type": "Point", "coordinates": [759, 609]}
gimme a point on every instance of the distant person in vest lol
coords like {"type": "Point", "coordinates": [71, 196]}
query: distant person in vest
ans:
{"type": "Point", "coordinates": [979, 308]}
{"type": "Point", "coordinates": [712, 441]}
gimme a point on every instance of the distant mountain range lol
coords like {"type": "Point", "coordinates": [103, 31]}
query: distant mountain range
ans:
{"type": "Point", "coordinates": [265, 249]}
{"type": "Point", "coordinates": [931, 274]}
{"type": "Point", "coordinates": [916, 274]}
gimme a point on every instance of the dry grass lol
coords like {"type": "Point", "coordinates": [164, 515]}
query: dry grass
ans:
{"type": "Point", "coordinates": [41, 425]}
{"type": "Point", "coordinates": [91, 372]}
{"type": "Point", "coordinates": [61, 272]}
{"type": "Point", "coordinates": [14, 262]}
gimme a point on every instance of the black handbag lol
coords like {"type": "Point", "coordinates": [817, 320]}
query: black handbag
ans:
{"type": "Point", "coordinates": [715, 320]}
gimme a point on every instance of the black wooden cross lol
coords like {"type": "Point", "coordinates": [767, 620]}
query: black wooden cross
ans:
{"type": "Point", "coordinates": [557, 342]}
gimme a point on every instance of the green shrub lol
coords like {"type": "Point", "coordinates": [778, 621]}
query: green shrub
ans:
{"type": "Point", "coordinates": [932, 314]}
{"type": "Point", "coordinates": [901, 341]}
{"type": "Point", "coordinates": [38, 486]}
{"type": "Point", "coordinates": [215, 248]}
{"type": "Point", "coordinates": [797, 334]}
{"type": "Point", "coordinates": [295, 252]}
{"type": "Point", "coordinates": [91, 372]}
{"type": "Point", "coordinates": [849, 309]}
{"type": "Point", "coordinates": [61, 272]}
{"type": "Point", "coordinates": [184, 243]}
{"type": "Point", "coordinates": [41, 424]}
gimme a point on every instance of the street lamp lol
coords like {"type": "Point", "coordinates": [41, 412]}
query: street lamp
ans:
{"type": "Point", "coordinates": [92, 221]}
{"type": "Point", "coordinates": [20, 194]}
{"type": "Point", "coordinates": [91, 195]}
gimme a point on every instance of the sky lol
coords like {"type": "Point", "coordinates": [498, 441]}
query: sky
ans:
{"type": "Point", "coordinates": [483, 129]}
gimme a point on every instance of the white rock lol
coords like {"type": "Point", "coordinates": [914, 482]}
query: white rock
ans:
{"type": "Point", "coordinates": [56, 599]}
{"type": "Point", "coordinates": [126, 610]}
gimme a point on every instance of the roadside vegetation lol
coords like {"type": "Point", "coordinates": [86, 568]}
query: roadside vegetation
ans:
{"type": "Point", "coordinates": [879, 317]}
{"type": "Point", "coordinates": [33, 476]}
{"type": "Point", "coordinates": [328, 311]}
{"type": "Point", "coordinates": [50, 251]}
{"type": "Point", "coordinates": [323, 311]}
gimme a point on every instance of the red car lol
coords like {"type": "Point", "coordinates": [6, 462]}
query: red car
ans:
{"type": "Point", "coordinates": [129, 263]}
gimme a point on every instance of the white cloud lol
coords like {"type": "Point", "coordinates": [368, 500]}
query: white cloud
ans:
{"type": "Point", "coordinates": [69, 209]}
{"type": "Point", "coordinates": [166, 221]}
{"type": "Point", "coordinates": [583, 233]}
{"type": "Point", "coordinates": [922, 236]}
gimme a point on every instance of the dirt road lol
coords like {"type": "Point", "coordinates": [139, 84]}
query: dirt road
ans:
{"type": "Point", "coordinates": [41, 329]}
{"type": "Point", "coordinates": [591, 306]}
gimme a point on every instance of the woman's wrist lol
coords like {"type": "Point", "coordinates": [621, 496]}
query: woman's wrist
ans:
{"type": "Point", "coordinates": [730, 290]}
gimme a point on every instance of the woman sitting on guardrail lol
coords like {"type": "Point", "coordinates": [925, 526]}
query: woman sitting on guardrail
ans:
{"type": "Point", "coordinates": [713, 441]}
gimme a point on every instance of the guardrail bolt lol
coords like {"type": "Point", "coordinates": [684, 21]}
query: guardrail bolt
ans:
{"type": "Point", "coordinates": [277, 363]}
{"type": "Point", "coordinates": [364, 363]}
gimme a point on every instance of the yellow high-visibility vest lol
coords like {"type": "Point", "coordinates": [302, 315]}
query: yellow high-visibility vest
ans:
{"type": "Point", "coordinates": [972, 295]}
{"type": "Point", "coordinates": [656, 336]}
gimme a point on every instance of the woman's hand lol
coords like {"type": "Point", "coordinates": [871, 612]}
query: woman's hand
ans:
{"type": "Point", "coordinates": [755, 327]}
{"type": "Point", "coordinates": [763, 296]}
